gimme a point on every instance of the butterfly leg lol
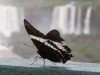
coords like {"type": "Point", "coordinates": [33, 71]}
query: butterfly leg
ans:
{"type": "Point", "coordinates": [44, 61]}
{"type": "Point", "coordinates": [35, 60]}
{"type": "Point", "coordinates": [53, 63]}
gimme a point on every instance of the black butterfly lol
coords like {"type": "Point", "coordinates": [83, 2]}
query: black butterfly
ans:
{"type": "Point", "coordinates": [50, 46]}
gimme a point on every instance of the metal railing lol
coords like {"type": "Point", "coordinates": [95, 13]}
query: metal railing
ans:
{"type": "Point", "coordinates": [24, 67]}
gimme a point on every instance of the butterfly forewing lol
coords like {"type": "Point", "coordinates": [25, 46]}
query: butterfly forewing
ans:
{"type": "Point", "coordinates": [31, 30]}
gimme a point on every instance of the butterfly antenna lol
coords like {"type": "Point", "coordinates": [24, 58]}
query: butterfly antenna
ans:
{"type": "Point", "coordinates": [27, 45]}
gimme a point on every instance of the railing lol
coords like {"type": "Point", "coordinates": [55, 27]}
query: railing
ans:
{"type": "Point", "coordinates": [24, 67]}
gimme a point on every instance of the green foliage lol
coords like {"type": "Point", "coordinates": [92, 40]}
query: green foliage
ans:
{"type": "Point", "coordinates": [86, 53]}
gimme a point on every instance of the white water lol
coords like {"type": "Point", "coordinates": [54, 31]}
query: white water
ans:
{"type": "Point", "coordinates": [78, 31]}
{"type": "Point", "coordinates": [8, 20]}
{"type": "Point", "coordinates": [87, 21]}
{"type": "Point", "coordinates": [65, 19]}
{"type": "Point", "coordinates": [9, 23]}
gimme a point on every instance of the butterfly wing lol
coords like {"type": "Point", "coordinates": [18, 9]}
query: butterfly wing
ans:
{"type": "Point", "coordinates": [57, 40]}
{"type": "Point", "coordinates": [31, 30]}
{"type": "Point", "coordinates": [54, 35]}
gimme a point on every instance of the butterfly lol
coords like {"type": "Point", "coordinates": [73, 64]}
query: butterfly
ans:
{"type": "Point", "coordinates": [49, 46]}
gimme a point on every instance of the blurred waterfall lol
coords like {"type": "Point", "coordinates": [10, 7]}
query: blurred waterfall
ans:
{"type": "Point", "coordinates": [68, 19]}
{"type": "Point", "coordinates": [78, 31]}
{"type": "Point", "coordinates": [87, 21]}
{"type": "Point", "coordinates": [8, 20]}
{"type": "Point", "coordinates": [9, 23]}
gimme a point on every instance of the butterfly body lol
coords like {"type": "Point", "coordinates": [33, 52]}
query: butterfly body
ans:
{"type": "Point", "coordinates": [49, 46]}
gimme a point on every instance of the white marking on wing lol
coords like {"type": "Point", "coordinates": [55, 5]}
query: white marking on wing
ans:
{"type": "Point", "coordinates": [43, 41]}
{"type": "Point", "coordinates": [46, 43]}
{"type": "Point", "coordinates": [59, 45]}
{"type": "Point", "coordinates": [37, 38]}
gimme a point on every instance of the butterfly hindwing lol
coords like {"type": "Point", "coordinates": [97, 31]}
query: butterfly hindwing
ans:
{"type": "Point", "coordinates": [54, 35]}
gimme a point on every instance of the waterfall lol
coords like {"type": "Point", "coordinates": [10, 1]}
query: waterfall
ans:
{"type": "Point", "coordinates": [87, 21]}
{"type": "Point", "coordinates": [78, 30]}
{"type": "Point", "coordinates": [9, 23]}
{"type": "Point", "coordinates": [72, 19]}
{"type": "Point", "coordinates": [59, 19]}
{"type": "Point", "coordinates": [62, 20]}
{"type": "Point", "coordinates": [8, 20]}
{"type": "Point", "coordinates": [65, 19]}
